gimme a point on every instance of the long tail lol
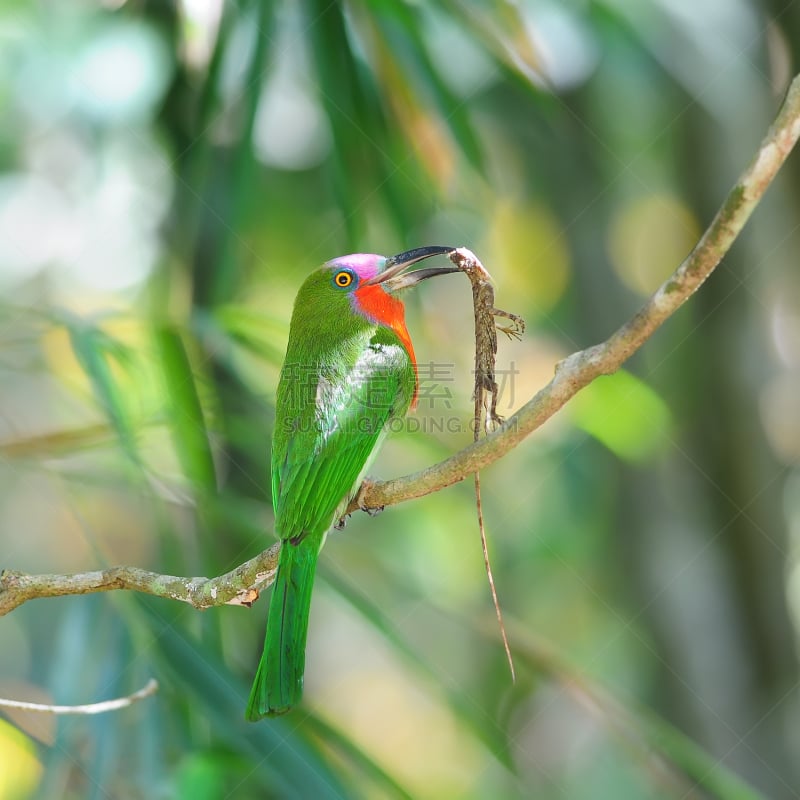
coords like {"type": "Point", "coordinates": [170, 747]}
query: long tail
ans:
{"type": "Point", "coordinates": [278, 684]}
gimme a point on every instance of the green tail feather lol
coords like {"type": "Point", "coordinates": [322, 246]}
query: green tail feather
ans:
{"type": "Point", "coordinates": [278, 683]}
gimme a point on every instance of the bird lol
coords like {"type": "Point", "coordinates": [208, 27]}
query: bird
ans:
{"type": "Point", "coordinates": [348, 373]}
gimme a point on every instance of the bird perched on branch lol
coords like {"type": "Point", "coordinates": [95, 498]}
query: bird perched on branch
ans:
{"type": "Point", "coordinates": [349, 371]}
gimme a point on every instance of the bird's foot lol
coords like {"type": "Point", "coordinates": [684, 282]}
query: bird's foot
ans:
{"type": "Point", "coordinates": [366, 485]}
{"type": "Point", "coordinates": [341, 522]}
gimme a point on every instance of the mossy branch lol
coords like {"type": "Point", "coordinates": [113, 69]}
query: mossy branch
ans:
{"type": "Point", "coordinates": [241, 585]}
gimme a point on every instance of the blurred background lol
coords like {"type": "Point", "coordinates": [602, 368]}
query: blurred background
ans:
{"type": "Point", "coordinates": [170, 172]}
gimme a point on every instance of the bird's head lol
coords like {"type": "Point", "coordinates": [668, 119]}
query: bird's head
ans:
{"type": "Point", "coordinates": [359, 289]}
{"type": "Point", "coordinates": [372, 282]}
{"type": "Point", "coordinates": [360, 271]}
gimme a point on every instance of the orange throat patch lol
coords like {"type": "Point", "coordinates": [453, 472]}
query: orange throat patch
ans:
{"type": "Point", "coordinates": [385, 309]}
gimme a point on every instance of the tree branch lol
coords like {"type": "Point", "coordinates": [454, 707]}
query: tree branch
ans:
{"type": "Point", "coordinates": [581, 368]}
{"type": "Point", "coordinates": [241, 586]}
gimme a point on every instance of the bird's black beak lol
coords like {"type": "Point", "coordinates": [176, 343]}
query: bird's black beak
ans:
{"type": "Point", "coordinates": [393, 276]}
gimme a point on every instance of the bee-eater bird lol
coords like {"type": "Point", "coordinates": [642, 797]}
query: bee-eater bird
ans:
{"type": "Point", "coordinates": [349, 372]}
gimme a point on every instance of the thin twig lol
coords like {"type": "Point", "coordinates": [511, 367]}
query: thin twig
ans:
{"type": "Point", "coordinates": [151, 687]}
{"type": "Point", "coordinates": [490, 577]}
{"type": "Point", "coordinates": [572, 374]}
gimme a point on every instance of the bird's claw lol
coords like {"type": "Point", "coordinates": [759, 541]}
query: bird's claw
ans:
{"type": "Point", "coordinates": [366, 485]}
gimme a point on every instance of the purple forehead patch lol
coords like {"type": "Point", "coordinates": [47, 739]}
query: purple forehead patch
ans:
{"type": "Point", "coordinates": [367, 265]}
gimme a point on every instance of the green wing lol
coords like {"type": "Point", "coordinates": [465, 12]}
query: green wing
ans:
{"type": "Point", "coordinates": [331, 430]}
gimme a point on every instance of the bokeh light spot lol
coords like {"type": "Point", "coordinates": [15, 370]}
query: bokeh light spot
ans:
{"type": "Point", "coordinates": [527, 245]}
{"type": "Point", "coordinates": [648, 238]}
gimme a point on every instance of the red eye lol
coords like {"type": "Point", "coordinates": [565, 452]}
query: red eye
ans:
{"type": "Point", "coordinates": [343, 279]}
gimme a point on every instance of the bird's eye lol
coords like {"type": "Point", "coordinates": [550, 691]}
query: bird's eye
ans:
{"type": "Point", "coordinates": [343, 279]}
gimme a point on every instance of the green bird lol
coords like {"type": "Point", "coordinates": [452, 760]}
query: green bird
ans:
{"type": "Point", "coordinates": [349, 372]}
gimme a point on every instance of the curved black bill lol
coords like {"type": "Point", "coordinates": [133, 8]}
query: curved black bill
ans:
{"type": "Point", "coordinates": [417, 254]}
{"type": "Point", "coordinates": [391, 275]}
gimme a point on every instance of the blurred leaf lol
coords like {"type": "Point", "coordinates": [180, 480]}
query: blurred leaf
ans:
{"type": "Point", "coordinates": [370, 156]}
{"type": "Point", "coordinates": [708, 772]}
{"type": "Point", "coordinates": [649, 737]}
{"type": "Point", "coordinates": [94, 348]}
{"type": "Point", "coordinates": [48, 445]}
{"type": "Point", "coordinates": [185, 413]}
{"type": "Point", "coordinates": [345, 103]}
{"type": "Point", "coordinates": [353, 753]}
{"type": "Point", "coordinates": [283, 762]}
{"type": "Point", "coordinates": [405, 58]}
{"type": "Point", "coordinates": [260, 334]}
{"type": "Point", "coordinates": [625, 414]}
{"type": "Point", "coordinates": [462, 706]}
{"type": "Point", "coordinates": [106, 729]}
{"type": "Point", "coordinates": [499, 28]}
{"type": "Point", "coordinates": [222, 275]}
{"type": "Point", "coordinates": [20, 769]}
{"type": "Point", "coordinates": [204, 775]}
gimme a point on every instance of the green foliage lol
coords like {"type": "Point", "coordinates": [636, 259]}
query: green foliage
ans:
{"type": "Point", "coordinates": [186, 420]}
{"type": "Point", "coordinates": [95, 352]}
{"type": "Point", "coordinates": [625, 415]}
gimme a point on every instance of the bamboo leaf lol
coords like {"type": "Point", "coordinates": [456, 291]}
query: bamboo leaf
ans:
{"type": "Point", "coordinates": [401, 27]}
{"type": "Point", "coordinates": [93, 349]}
{"type": "Point", "coordinates": [647, 736]}
{"type": "Point", "coordinates": [463, 707]}
{"type": "Point", "coordinates": [185, 412]}
{"type": "Point", "coordinates": [282, 759]}
{"type": "Point", "coordinates": [353, 753]}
